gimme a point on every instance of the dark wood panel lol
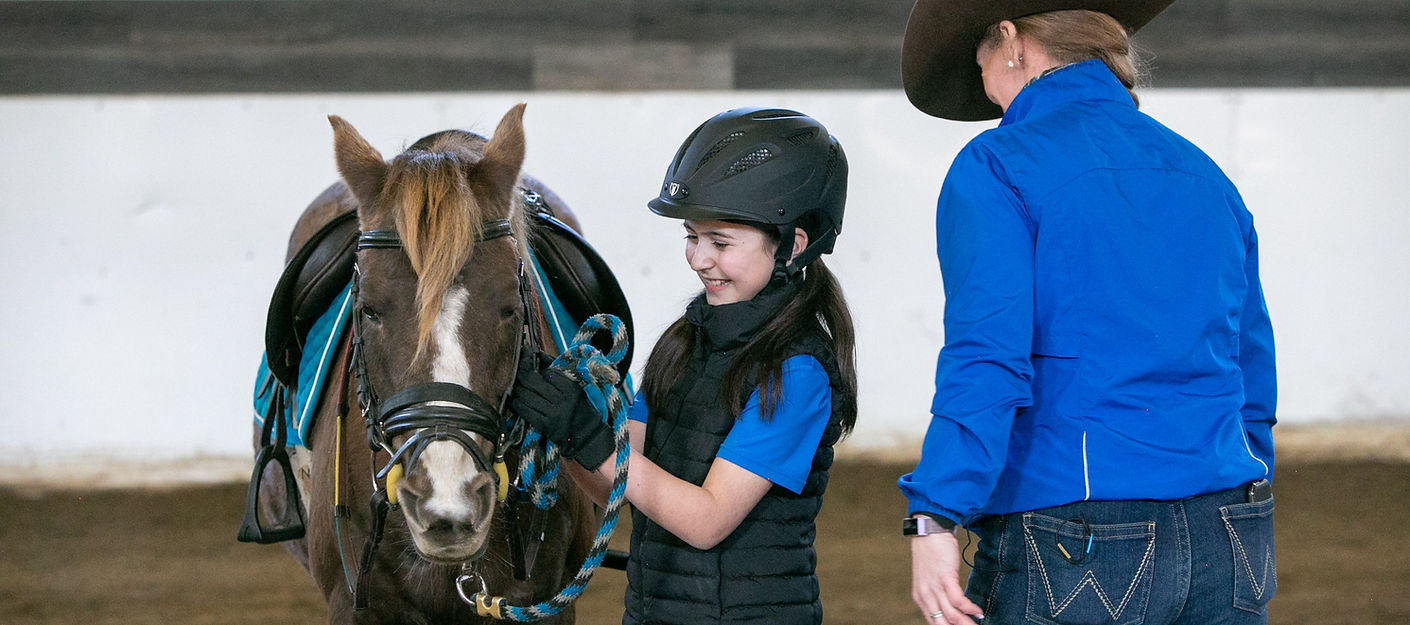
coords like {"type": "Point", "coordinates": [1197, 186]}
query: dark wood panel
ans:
{"type": "Point", "coordinates": [1281, 43]}
{"type": "Point", "coordinates": [291, 72]}
{"type": "Point", "coordinates": [773, 22]}
{"type": "Point", "coordinates": [839, 66]}
{"type": "Point", "coordinates": [125, 46]}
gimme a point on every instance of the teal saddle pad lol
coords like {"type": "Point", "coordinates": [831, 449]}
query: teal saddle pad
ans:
{"type": "Point", "coordinates": [315, 367]}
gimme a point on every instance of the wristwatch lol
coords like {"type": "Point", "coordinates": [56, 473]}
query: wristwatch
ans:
{"type": "Point", "coordinates": [925, 524]}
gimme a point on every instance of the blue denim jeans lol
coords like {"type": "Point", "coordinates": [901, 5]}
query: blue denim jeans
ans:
{"type": "Point", "coordinates": [1206, 560]}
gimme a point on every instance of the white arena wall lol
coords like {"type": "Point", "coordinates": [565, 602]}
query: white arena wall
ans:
{"type": "Point", "coordinates": [143, 235]}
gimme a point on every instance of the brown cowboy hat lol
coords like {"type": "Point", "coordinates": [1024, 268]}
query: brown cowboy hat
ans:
{"type": "Point", "coordinates": [937, 55]}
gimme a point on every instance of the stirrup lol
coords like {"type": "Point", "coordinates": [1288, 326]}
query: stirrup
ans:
{"type": "Point", "coordinates": [272, 441]}
{"type": "Point", "coordinates": [292, 525]}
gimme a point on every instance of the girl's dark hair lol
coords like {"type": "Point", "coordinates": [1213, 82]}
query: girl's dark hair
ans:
{"type": "Point", "coordinates": [818, 307]}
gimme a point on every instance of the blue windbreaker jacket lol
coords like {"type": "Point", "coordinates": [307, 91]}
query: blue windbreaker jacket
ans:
{"type": "Point", "coordinates": [1106, 336]}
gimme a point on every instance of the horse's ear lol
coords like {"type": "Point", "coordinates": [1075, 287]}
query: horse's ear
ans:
{"type": "Point", "coordinates": [361, 165]}
{"type": "Point", "coordinates": [504, 154]}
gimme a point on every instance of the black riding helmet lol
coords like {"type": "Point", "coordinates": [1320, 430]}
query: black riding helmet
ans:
{"type": "Point", "coordinates": [769, 168]}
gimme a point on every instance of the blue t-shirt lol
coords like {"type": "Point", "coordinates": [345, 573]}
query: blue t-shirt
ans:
{"type": "Point", "coordinates": [782, 449]}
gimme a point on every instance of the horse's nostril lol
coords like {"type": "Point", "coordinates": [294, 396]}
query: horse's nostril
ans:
{"type": "Point", "coordinates": [409, 500]}
{"type": "Point", "coordinates": [482, 492]}
{"type": "Point", "coordinates": [447, 528]}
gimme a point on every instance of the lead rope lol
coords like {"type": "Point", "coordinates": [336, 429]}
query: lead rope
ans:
{"type": "Point", "coordinates": [599, 378]}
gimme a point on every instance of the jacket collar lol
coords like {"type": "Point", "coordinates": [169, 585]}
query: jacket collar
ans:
{"type": "Point", "coordinates": [729, 326]}
{"type": "Point", "coordinates": [1087, 80]}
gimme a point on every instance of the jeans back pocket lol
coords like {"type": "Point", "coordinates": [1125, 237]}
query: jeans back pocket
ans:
{"type": "Point", "coordinates": [1250, 527]}
{"type": "Point", "coordinates": [1086, 574]}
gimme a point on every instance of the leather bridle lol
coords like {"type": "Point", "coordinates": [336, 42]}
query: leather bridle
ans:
{"type": "Point", "coordinates": [433, 411]}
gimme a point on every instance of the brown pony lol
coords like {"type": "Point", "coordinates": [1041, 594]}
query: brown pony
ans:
{"type": "Point", "coordinates": [439, 305]}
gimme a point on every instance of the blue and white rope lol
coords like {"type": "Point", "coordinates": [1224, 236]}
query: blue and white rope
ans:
{"type": "Point", "coordinates": [538, 453]}
{"type": "Point", "coordinates": [597, 374]}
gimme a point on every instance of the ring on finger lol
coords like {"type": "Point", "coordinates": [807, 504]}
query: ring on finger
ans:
{"type": "Point", "coordinates": [937, 615]}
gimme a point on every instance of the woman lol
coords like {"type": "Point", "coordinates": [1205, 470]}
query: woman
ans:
{"type": "Point", "coordinates": [1105, 395]}
{"type": "Point", "coordinates": [744, 396]}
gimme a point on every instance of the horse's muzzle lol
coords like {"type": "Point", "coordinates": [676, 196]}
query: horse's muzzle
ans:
{"type": "Point", "coordinates": [448, 505]}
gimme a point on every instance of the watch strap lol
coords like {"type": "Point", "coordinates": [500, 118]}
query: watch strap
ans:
{"type": "Point", "coordinates": [925, 524]}
{"type": "Point", "coordinates": [944, 521]}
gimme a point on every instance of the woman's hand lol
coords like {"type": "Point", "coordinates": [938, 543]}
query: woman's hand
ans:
{"type": "Point", "coordinates": [935, 581]}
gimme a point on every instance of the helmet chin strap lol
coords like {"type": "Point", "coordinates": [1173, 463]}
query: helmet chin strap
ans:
{"type": "Point", "coordinates": [785, 272]}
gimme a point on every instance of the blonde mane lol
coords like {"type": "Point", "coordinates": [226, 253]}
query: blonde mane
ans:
{"type": "Point", "coordinates": [440, 218]}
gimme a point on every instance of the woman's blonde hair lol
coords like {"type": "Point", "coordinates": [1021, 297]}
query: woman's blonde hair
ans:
{"type": "Point", "coordinates": [1075, 36]}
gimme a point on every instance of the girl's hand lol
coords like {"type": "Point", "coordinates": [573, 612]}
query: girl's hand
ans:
{"type": "Point", "coordinates": [555, 405]}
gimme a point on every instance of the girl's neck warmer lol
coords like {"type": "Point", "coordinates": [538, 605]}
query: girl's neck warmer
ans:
{"type": "Point", "coordinates": [729, 326]}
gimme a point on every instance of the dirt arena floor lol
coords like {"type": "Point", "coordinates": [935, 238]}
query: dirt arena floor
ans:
{"type": "Point", "coordinates": [99, 556]}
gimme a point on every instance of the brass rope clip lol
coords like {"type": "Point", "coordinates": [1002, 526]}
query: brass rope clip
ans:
{"type": "Point", "coordinates": [485, 605]}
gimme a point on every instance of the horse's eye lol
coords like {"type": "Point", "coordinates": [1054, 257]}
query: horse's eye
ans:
{"type": "Point", "coordinates": [508, 312]}
{"type": "Point", "coordinates": [371, 315]}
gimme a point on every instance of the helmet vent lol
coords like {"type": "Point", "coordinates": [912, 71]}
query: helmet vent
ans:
{"type": "Point", "coordinates": [802, 138]}
{"type": "Point", "coordinates": [749, 161]}
{"type": "Point", "coordinates": [675, 166]}
{"type": "Point", "coordinates": [715, 149]}
{"type": "Point", "coordinates": [831, 163]}
{"type": "Point", "coordinates": [775, 114]}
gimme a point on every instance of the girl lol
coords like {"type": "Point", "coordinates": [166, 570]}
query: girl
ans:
{"type": "Point", "coordinates": [744, 396]}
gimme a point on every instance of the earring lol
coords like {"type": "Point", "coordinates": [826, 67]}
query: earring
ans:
{"type": "Point", "coordinates": [1010, 62]}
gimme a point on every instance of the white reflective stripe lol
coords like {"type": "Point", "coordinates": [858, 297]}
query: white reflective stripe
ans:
{"type": "Point", "coordinates": [451, 363]}
{"type": "Point", "coordinates": [555, 325]}
{"type": "Point", "coordinates": [309, 402]}
{"type": "Point", "coordinates": [1249, 448]}
{"type": "Point", "coordinates": [1086, 477]}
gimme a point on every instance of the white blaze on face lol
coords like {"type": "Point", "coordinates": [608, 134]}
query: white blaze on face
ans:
{"type": "Point", "coordinates": [445, 462]}
{"type": "Point", "coordinates": [450, 364]}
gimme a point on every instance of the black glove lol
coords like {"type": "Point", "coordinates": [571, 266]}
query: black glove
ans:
{"type": "Point", "coordinates": [555, 405]}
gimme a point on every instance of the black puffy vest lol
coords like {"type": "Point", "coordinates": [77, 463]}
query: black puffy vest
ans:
{"type": "Point", "coordinates": [763, 572]}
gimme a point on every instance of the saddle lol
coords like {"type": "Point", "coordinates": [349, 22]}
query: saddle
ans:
{"type": "Point", "coordinates": [312, 278]}
{"type": "Point", "coordinates": [581, 279]}
{"type": "Point", "coordinates": [578, 275]}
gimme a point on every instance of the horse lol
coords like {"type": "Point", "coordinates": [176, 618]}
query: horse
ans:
{"type": "Point", "coordinates": [440, 316]}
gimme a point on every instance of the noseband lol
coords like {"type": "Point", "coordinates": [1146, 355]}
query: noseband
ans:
{"type": "Point", "coordinates": [432, 411]}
